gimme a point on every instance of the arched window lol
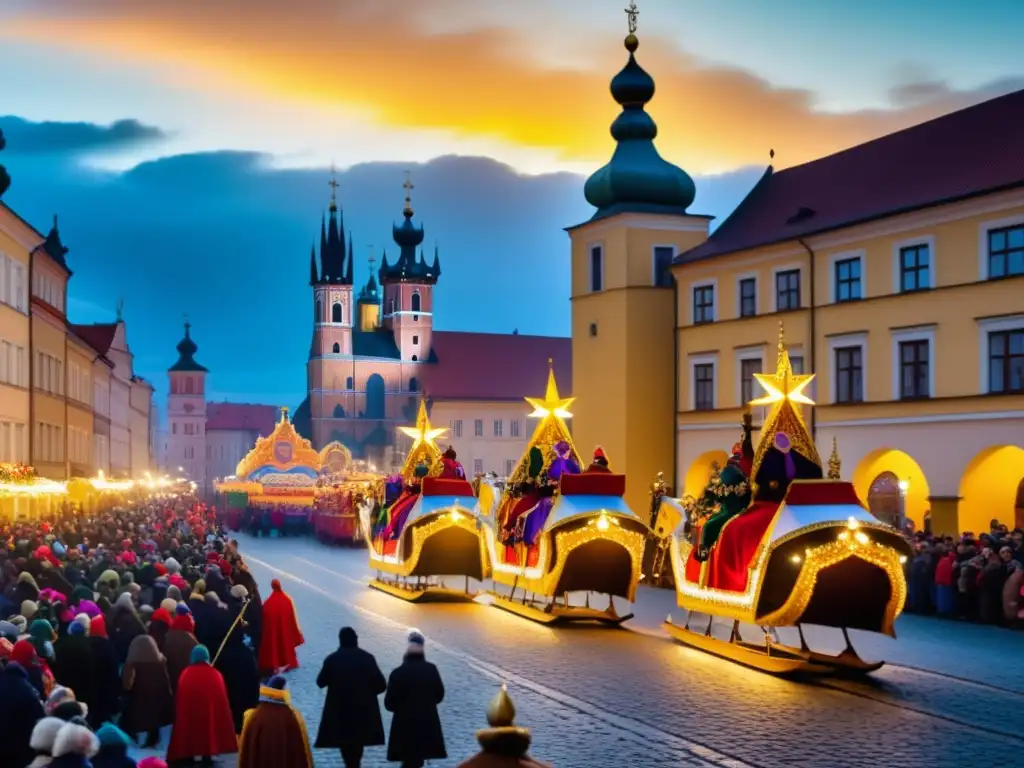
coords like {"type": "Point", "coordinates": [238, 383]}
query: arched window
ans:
{"type": "Point", "coordinates": [337, 348]}
{"type": "Point", "coordinates": [375, 397]}
{"type": "Point", "coordinates": [415, 358]}
{"type": "Point", "coordinates": [349, 384]}
{"type": "Point", "coordinates": [414, 384]}
{"type": "Point", "coordinates": [391, 306]}
{"type": "Point", "coordinates": [189, 386]}
{"type": "Point", "coordinates": [884, 498]}
{"type": "Point", "coordinates": [336, 313]}
{"type": "Point", "coordinates": [318, 313]}
{"type": "Point", "coordinates": [416, 302]}
{"type": "Point", "coordinates": [339, 411]}
{"type": "Point", "coordinates": [174, 386]}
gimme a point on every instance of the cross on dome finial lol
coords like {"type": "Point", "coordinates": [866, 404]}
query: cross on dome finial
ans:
{"type": "Point", "coordinates": [408, 187]}
{"type": "Point", "coordinates": [631, 14]}
{"type": "Point", "coordinates": [372, 259]}
{"type": "Point", "coordinates": [333, 184]}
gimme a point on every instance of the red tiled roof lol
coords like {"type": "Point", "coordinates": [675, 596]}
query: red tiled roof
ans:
{"type": "Point", "coordinates": [976, 150]}
{"type": "Point", "coordinates": [241, 416]}
{"type": "Point", "coordinates": [99, 336]}
{"type": "Point", "coordinates": [495, 366]}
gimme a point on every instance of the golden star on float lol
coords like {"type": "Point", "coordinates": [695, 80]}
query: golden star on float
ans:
{"type": "Point", "coordinates": [783, 384]}
{"type": "Point", "coordinates": [423, 432]}
{"type": "Point", "coordinates": [552, 403]}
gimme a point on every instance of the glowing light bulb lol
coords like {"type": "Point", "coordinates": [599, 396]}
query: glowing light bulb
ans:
{"type": "Point", "coordinates": [795, 559]}
{"type": "Point", "coordinates": [602, 523]}
{"type": "Point", "coordinates": [861, 537]}
{"type": "Point", "coordinates": [456, 515]}
{"type": "Point", "coordinates": [903, 559]}
{"type": "Point", "coordinates": [852, 523]}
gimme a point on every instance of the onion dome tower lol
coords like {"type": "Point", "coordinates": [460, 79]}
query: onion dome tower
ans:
{"type": "Point", "coordinates": [408, 288]}
{"type": "Point", "coordinates": [637, 179]}
{"type": "Point", "coordinates": [186, 411]}
{"type": "Point", "coordinates": [623, 290]}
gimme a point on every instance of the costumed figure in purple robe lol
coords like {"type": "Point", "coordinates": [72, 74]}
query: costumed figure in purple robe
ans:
{"type": "Point", "coordinates": [400, 509]}
{"type": "Point", "coordinates": [563, 464]}
{"type": "Point", "coordinates": [781, 465]}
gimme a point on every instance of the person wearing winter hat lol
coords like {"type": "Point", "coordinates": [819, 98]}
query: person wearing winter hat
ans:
{"type": "Point", "coordinates": [19, 710]}
{"type": "Point", "coordinates": [273, 732]}
{"type": "Point", "coordinates": [414, 691]}
{"type": "Point", "coordinates": [203, 724]}
{"type": "Point", "coordinates": [29, 608]}
{"type": "Point", "coordinates": [106, 701]}
{"type": "Point", "coordinates": [599, 463]}
{"type": "Point", "coordinates": [239, 592]}
{"type": "Point", "coordinates": [44, 734]}
{"type": "Point", "coordinates": [151, 762]}
{"type": "Point", "coordinates": [280, 633]}
{"type": "Point", "coordinates": [74, 746]}
{"type": "Point", "coordinates": [172, 565]}
{"type": "Point", "coordinates": [113, 752]}
{"type": "Point", "coordinates": [41, 634]}
{"type": "Point", "coordinates": [179, 643]}
{"type": "Point", "coordinates": [9, 632]}
{"type": "Point", "coordinates": [503, 745]}
{"type": "Point", "coordinates": [73, 663]}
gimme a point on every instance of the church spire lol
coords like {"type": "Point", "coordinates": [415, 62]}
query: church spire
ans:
{"type": "Point", "coordinates": [314, 278]}
{"type": "Point", "coordinates": [349, 269]}
{"type": "Point", "coordinates": [54, 247]}
{"type": "Point", "coordinates": [186, 353]}
{"type": "Point", "coordinates": [637, 179]}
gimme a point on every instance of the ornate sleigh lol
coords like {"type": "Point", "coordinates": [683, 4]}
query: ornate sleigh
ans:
{"type": "Point", "coordinates": [440, 535]}
{"type": "Point", "coordinates": [590, 541]}
{"type": "Point", "coordinates": [817, 556]}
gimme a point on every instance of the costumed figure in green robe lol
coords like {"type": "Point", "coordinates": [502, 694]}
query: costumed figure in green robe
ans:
{"type": "Point", "coordinates": [728, 493]}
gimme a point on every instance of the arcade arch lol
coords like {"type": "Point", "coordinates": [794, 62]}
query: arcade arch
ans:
{"type": "Point", "coordinates": [699, 472]}
{"type": "Point", "coordinates": [992, 487]}
{"type": "Point", "coordinates": [892, 483]}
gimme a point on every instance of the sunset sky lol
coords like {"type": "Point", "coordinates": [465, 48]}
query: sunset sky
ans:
{"type": "Point", "coordinates": [237, 108]}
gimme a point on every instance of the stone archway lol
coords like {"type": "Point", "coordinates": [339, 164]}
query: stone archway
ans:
{"type": "Point", "coordinates": [991, 489]}
{"type": "Point", "coordinates": [699, 472]}
{"type": "Point", "coordinates": [897, 482]}
{"type": "Point", "coordinates": [884, 500]}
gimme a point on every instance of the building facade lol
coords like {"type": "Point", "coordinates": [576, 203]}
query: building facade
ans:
{"type": "Point", "coordinates": [897, 269]}
{"type": "Point", "coordinates": [50, 275]}
{"type": "Point", "coordinates": [375, 353]}
{"type": "Point", "coordinates": [79, 398]}
{"type": "Point", "coordinates": [231, 432]}
{"type": "Point", "coordinates": [186, 414]}
{"type": "Point", "coordinates": [17, 241]}
{"type": "Point", "coordinates": [140, 407]}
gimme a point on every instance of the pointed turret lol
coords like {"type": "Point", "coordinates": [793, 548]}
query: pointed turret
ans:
{"type": "Point", "coordinates": [314, 278]}
{"type": "Point", "coordinates": [349, 269]}
{"type": "Point", "coordinates": [53, 246]}
{"type": "Point", "coordinates": [186, 353]}
{"type": "Point", "coordinates": [435, 270]}
{"type": "Point", "coordinates": [637, 179]}
{"type": "Point", "coordinates": [323, 246]}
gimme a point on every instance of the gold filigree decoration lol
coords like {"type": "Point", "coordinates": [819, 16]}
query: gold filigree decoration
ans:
{"type": "Point", "coordinates": [424, 448]}
{"type": "Point", "coordinates": [262, 454]}
{"type": "Point", "coordinates": [834, 464]}
{"type": "Point", "coordinates": [420, 531]}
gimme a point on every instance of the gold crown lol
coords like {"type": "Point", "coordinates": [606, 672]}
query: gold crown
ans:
{"type": "Point", "coordinates": [501, 712]}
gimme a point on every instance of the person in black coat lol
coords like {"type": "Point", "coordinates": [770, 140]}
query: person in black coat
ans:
{"type": "Point", "coordinates": [350, 720]}
{"type": "Point", "coordinates": [20, 708]}
{"type": "Point", "coordinates": [414, 691]}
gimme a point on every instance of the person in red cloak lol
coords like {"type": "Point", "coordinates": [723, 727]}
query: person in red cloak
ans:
{"type": "Point", "coordinates": [203, 724]}
{"type": "Point", "coordinates": [280, 632]}
{"type": "Point", "coordinates": [450, 467]}
{"type": "Point", "coordinates": [600, 462]}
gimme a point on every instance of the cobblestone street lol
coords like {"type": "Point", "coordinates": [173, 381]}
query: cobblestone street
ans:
{"type": "Point", "coordinates": [595, 697]}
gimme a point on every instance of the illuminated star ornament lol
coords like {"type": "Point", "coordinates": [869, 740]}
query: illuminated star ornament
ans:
{"type": "Point", "coordinates": [783, 385]}
{"type": "Point", "coordinates": [423, 433]}
{"type": "Point", "coordinates": [552, 404]}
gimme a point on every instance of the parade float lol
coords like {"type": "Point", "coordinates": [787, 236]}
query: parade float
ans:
{"type": "Point", "coordinates": [774, 543]}
{"type": "Point", "coordinates": [276, 481]}
{"type": "Point", "coordinates": [344, 484]}
{"type": "Point", "coordinates": [558, 530]}
{"type": "Point", "coordinates": [431, 530]}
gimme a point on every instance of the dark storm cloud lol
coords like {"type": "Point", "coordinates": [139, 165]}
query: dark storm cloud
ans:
{"type": "Point", "coordinates": [225, 237]}
{"type": "Point", "coordinates": [30, 138]}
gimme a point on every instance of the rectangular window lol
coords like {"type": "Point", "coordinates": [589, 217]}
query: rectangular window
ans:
{"type": "Point", "coordinates": [796, 362]}
{"type": "Point", "coordinates": [915, 269]}
{"type": "Point", "coordinates": [497, 427]}
{"type": "Point", "coordinates": [513, 428]}
{"type": "Point", "coordinates": [703, 304]}
{"type": "Point", "coordinates": [849, 375]}
{"type": "Point", "coordinates": [1006, 252]}
{"type": "Point", "coordinates": [457, 428]}
{"type": "Point", "coordinates": [704, 387]}
{"type": "Point", "coordinates": [1006, 361]}
{"type": "Point", "coordinates": [914, 367]}
{"type": "Point", "coordinates": [663, 255]}
{"type": "Point", "coordinates": [596, 269]}
{"type": "Point", "coordinates": [747, 370]}
{"type": "Point", "coordinates": [478, 428]}
{"type": "Point", "coordinates": [510, 465]}
{"type": "Point", "coordinates": [478, 466]}
{"type": "Point", "coordinates": [415, 340]}
{"type": "Point", "coordinates": [787, 290]}
{"type": "Point", "coordinates": [847, 276]}
{"type": "Point", "coordinates": [748, 297]}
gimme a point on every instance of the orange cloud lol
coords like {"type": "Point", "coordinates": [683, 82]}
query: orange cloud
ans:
{"type": "Point", "coordinates": [485, 82]}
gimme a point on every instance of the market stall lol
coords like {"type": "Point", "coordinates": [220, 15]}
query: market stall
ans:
{"type": "Point", "coordinates": [26, 496]}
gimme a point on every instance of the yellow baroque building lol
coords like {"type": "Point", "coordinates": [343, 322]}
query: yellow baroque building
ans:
{"type": "Point", "coordinates": [897, 268]}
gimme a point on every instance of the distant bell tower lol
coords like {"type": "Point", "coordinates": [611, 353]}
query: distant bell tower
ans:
{"type": "Point", "coordinates": [333, 310]}
{"type": "Point", "coordinates": [368, 303]}
{"type": "Point", "coordinates": [623, 297]}
{"type": "Point", "coordinates": [186, 413]}
{"type": "Point", "coordinates": [409, 287]}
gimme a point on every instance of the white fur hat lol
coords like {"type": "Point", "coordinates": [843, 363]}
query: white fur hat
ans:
{"type": "Point", "coordinates": [84, 620]}
{"type": "Point", "coordinates": [44, 734]}
{"type": "Point", "coordinates": [239, 592]}
{"type": "Point", "coordinates": [74, 739]}
{"type": "Point", "coordinates": [416, 641]}
{"type": "Point", "coordinates": [169, 604]}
